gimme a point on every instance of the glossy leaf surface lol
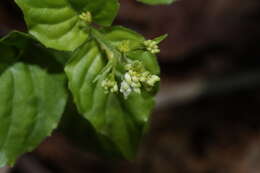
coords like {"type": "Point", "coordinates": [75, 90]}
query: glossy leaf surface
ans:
{"type": "Point", "coordinates": [32, 103]}
{"type": "Point", "coordinates": [103, 11]}
{"type": "Point", "coordinates": [56, 23]}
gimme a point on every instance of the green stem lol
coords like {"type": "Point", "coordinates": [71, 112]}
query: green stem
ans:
{"type": "Point", "coordinates": [111, 52]}
{"type": "Point", "coordinates": [105, 71]}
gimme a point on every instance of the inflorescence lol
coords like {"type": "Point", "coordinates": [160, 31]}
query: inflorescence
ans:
{"type": "Point", "coordinates": [152, 46]}
{"type": "Point", "coordinates": [135, 78]}
{"type": "Point", "coordinates": [124, 46]}
{"type": "Point", "coordinates": [109, 84]}
{"type": "Point", "coordinates": [86, 17]}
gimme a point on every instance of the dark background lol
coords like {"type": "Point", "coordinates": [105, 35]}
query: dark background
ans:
{"type": "Point", "coordinates": [207, 116]}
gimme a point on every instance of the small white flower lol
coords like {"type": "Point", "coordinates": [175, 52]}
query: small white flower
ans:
{"type": "Point", "coordinates": [144, 76]}
{"type": "Point", "coordinates": [128, 78]}
{"type": "Point", "coordinates": [135, 85]}
{"type": "Point", "coordinates": [125, 89]}
{"type": "Point", "coordinates": [137, 77]}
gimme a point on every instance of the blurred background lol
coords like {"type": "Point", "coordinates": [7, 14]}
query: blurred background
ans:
{"type": "Point", "coordinates": [207, 115]}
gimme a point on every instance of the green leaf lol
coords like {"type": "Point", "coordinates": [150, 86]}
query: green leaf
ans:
{"type": "Point", "coordinates": [16, 39]}
{"type": "Point", "coordinates": [56, 23]}
{"type": "Point", "coordinates": [12, 47]}
{"type": "Point", "coordinates": [32, 103]}
{"type": "Point", "coordinates": [103, 11]}
{"type": "Point", "coordinates": [148, 59]}
{"type": "Point", "coordinates": [18, 46]}
{"type": "Point", "coordinates": [156, 2]}
{"type": "Point", "coordinates": [114, 118]}
{"type": "Point", "coordinates": [116, 34]}
{"type": "Point", "coordinates": [160, 38]}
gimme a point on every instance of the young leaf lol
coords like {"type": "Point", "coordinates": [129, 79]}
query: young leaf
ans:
{"type": "Point", "coordinates": [160, 38]}
{"type": "Point", "coordinates": [118, 119]}
{"type": "Point", "coordinates": [32, 103]}
{"type": "Point", "coordinates": [56, 23]}
{"type": "Point", "coordinates": [156, 2]}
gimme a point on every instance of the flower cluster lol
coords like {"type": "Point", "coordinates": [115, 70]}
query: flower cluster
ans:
{"type": "Point", "coordinates": [152, 46]}
{"type": "Point", "coordinates": [136, 77]}
{"type": "Point", "coordinates": [86, 17]}
{"type": "Point", "coordinates": [109, 84]}
{"type": "Point", "coordinates": [131, 83]}
{"type": "Point", "coordinates": [124, 46]}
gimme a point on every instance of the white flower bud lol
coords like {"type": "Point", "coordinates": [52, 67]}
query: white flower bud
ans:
{"type": "Point", "coordinates": [136, 77]}
{"type": "Point", "coordinates": [151, 46]}
{"type": "Point", "coordinates": [86, 17]}
{"type": "Point", "coordinates": [109, 85]}
{"type": "Point", "coordinates": [152, 80]}
{"type": "Point", "coordinates": [136, 85]}
{"type": "Point", "coordinates": [125, 89]}
{"type": "Point", "coordinates": [128, 78]}
{"type": "Point", "coordinates": [114, 89]}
